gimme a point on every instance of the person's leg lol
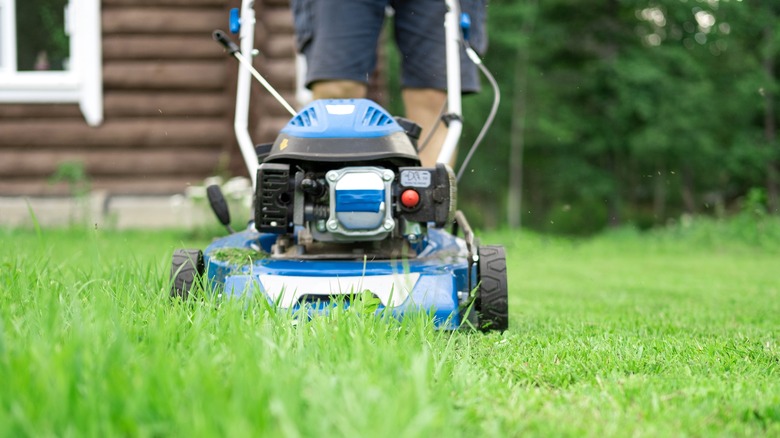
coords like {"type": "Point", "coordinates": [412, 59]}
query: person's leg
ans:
{"type": "Point", "coordinates": [423, 106]}
{"type": "Point", "coordinates": [339, 39]}
{"type": "Point", "coordinates": [338, 89]}
{"type": "Point", "coordinates": [419, 31]}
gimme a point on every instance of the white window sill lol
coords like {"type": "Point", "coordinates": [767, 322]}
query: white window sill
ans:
{"type": "Point", "coordinates": [39, 87]}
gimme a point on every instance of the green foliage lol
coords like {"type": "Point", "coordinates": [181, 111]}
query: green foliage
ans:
{"type": "Point", "coordinates": [745, 232]}
{"type": "Point", "coordinates": [74, 175]}
{"type": "Point", "coordinates": [578, 218]}
{"type": "Point", "coordinates": [653, 108]}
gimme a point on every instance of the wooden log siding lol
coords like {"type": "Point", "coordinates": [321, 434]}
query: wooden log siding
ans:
{"type": "Point", "coordinates": [160, 47]}
{"type": "Point", "coordinates": [125, 104]}
{"type": "Point", "coordinates": [274, 39]}
{"type": "Point", "coordinates": [176, 135]}
{"type": "Point", "coordinates": [102, 163]}
{"type": "Point", "coordinates": [169, 96]}
{"type": "Point", "coordinates": [154, 75]}
{"type": "Point", "coordinates": [135, 185]}
{"type": "Point", "coordinates": [162, 20]}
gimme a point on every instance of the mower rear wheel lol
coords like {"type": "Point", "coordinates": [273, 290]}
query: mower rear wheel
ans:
{"type": "Point", "coordinates": [492, 303]}
{"type": "Point", "coordinates": [186, 267]}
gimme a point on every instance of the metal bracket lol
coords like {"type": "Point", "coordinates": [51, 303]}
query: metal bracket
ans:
{"type": "Point", "coordinates": [460, 223]}
{"type": "Point", "coordinates": [449, 117]}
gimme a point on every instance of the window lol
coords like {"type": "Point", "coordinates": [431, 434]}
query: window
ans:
{"type": "Point", "coordinates": [50, 52]}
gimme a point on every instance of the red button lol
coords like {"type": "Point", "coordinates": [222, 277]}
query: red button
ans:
{"type": "Point", "coordinates": [410, 198]}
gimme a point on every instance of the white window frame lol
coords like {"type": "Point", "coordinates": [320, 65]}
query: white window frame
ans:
{"type": "Point", "coordinates": [82, 83]}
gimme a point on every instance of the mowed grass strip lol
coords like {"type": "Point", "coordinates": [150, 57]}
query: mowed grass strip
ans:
{"type": "Point", "coordinates": [671, 333]}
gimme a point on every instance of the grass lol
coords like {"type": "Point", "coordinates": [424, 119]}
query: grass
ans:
{"type": "Point", "coordinates": [237, 256]}
{"type": "Point", "coordinates": [671, 333]}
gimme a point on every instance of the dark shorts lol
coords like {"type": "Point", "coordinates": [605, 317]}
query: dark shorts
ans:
{"type": "Point", "coordinates": [339, 40]}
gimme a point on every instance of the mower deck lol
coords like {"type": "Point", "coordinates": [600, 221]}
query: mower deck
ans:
{"type": "Point", "coordinates": [436, 280]}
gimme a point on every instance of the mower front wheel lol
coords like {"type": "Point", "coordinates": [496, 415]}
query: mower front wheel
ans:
{"type": "Point", "coordinates": [492, 301]}
{"type": "Point", "coordinates": [186, 268]}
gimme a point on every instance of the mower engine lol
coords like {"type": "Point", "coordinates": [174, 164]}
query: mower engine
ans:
{"type": "Point", "coordinates": [346, 171]}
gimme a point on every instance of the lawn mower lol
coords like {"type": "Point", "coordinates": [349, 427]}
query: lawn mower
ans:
{"type": "Point", "coordinates": [343, 210]}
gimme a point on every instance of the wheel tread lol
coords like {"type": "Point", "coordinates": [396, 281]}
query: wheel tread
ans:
{"type": "Point", "coordinates": [186, 267]}
{"type": "Point", "coordinates": [492, 302]}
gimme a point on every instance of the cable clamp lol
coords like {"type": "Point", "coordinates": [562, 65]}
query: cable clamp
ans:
{"type": "Point", "coordinates": [447, 118]}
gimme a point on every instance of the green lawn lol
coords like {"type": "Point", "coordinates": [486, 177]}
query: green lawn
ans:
{"type": "Point", "coordinates": [673, 333]}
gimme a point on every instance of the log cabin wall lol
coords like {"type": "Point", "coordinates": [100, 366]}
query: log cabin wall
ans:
{"type": "Point", "coordinates": [169, 96]}
{"type": "Point", "coordinates": [276, 62]}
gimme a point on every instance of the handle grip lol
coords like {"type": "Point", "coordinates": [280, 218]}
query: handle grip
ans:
{"type": "Point", "coordinates": [218, 204]}
{"type": "Point", "coordinates": [222, 38]}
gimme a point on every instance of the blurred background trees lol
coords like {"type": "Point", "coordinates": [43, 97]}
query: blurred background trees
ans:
{"type": "Point", "coordinates": [42, 42]}
{"type": "Point", "coordinates": [620, 112]}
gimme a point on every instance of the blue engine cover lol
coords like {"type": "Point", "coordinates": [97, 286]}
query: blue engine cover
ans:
{"type": "Point", "coordinates": [343, 130]}
{"type": "Point", "coordinates": [342, 118]}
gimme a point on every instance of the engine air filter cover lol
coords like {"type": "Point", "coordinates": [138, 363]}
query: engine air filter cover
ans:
{"type": "Point", "coordinates": [360, 203]}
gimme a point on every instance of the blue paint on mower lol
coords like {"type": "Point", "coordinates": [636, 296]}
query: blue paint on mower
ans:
{"type": "Point", "coordinates": [342, 207]}
{"type": "Point", "coordinates": [425, 284]}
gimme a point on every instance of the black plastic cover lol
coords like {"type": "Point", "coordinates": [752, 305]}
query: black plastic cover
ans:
{"type": "Point", "coordinates": [438, 192]}
{"type": "Point", "coordinates": [395, 148]}
{"type": "Point", "coordinates": [274, 199]}
{"type": "Point", "coordinates": [218, 204]}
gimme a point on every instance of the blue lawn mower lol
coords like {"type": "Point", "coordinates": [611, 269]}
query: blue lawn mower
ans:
{"type": "Point", "coordinates": [342, 209]}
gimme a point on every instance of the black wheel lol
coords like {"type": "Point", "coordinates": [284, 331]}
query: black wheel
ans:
{"type": "Point", "coordinates": [186, 267]}
{"type": "Point", "coordinates": [492, 302]}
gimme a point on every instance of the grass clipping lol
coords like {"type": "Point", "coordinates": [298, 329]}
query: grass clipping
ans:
{"type": "Point", "coordinates": [237, 256]}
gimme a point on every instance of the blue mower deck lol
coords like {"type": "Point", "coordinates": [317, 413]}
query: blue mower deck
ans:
{"type": "Point", "coordinates": [430, 282]}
